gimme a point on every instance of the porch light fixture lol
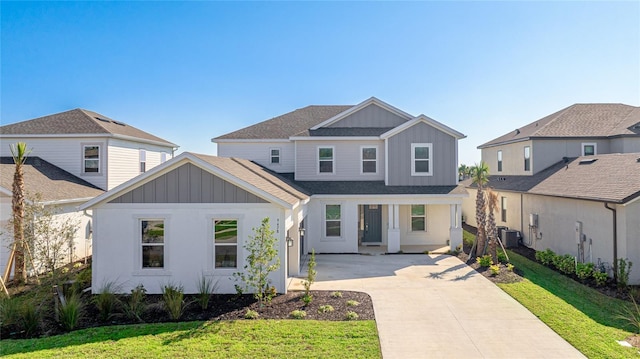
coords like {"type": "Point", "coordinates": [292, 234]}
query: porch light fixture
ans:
{"type": "Point", "coordinates": [301, 230]}
{"type": "Point", "coordinates": [289, 242]}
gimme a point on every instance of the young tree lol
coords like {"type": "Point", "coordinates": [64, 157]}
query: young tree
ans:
{"type": "Point", "coordinates": [480, 175]}
{"type": "Point", "coordinates": [19, 153]}
{"type": "Point", "coordinates": [492, 230]}
{"type": "Point", "coordinates": [261, 261]}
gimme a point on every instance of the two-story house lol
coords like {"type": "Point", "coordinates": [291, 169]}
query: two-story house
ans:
{"type": "Point", "coordinates": [75, 155]}
{"type": "Point", "coordinates": [571, 182]}
{"type": "Point", "coordinates": [329, 178]}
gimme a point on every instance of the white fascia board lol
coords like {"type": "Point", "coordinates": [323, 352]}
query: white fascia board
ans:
{"type": "Point", "coordinates": [631, 201]}
{"type": "Point", "coordinates": [93, 135]}
{"type": "Point", "coordinates": [358, 107]}
{"type": "Point", "coordinates": [427, 120]}
{"type": "Point", "coordinates": [234, 140]}
{"type": "Point", "coordinates": [142, 140]}
{"type": "Point", "coordinates": [335, 138]}
{"type": "Point", "coordinates": [9, 193]}
{"type": "Point", "coordinates": [396, 198]}
{"type": "Point", "coordinates": [508, 142]}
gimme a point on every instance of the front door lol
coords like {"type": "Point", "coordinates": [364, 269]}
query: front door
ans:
{"type": "Point", "coordinates": [372, 223]}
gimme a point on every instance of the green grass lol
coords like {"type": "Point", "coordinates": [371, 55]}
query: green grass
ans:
{"type": "Point", "coordinates": [581, 315]}
{"type": "Point", "coordinates": [225, 339]}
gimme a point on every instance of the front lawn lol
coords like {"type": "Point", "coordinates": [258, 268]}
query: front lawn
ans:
{"type": "Point", "coordinates": [214, 339]}
{"type": "Point", "coordinates": [581, 315]}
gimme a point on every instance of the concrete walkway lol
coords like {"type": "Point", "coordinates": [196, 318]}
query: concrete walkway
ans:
{"type": "Point", "coordinates": [438, 307]}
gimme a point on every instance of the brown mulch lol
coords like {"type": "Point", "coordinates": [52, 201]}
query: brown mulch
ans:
{"type": "Point", "coordinates": [504, 276]}
{"type": "Point", "coordinates": [221, 307]}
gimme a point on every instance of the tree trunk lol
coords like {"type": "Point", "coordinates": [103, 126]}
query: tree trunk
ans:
{"type": "Point", "coordinates": [481, 222]}
{"type": "Point", "coordinates": [17, 203]}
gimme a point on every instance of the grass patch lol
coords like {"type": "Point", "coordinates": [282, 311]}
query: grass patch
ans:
{"type": "Point", "coordinates": [224, 339]}
{"type": "Point", "coordinates": [581, 315]}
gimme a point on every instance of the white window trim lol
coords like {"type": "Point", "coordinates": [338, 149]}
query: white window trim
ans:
{"type": "Point", "coordinates": [333, 160]}
{"type": "Point", "coordinates": [143, 159]}
{"type": "Point", "coordinates": [500, 165]}
{"type": "Point", "coordinates": [271, 156]}
{"type": "Point", "coordinates": [362, 172]}
{"type": "Point", "coordinates": [594, 144]}
{"type": "Point", "coordinates": [413, 159]}
{"type": "Point", "coordinates": [211, 254]}
{"type": "Point", "coordinates": [411, 216]}
{"type": "Point", "coordinates": [524, 157]}
{"type": "Point", "coordinates": [100, 156]}
{"type": "Point", "coordinates": [237, 244]}
{"type": "Point", "coordinates": [138, 270]}
{"type": "Point", "coordinates": [324, 222]}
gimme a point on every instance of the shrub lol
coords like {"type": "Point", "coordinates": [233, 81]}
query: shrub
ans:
{"type": "Point", "coordinates": [298, 314]}
{"type": "Point", "coordinates": [351, 315]}
{"type": "Point", "coordinates": [71, 311]}
{"type": "Point", "coordinates": [502, 257]}
{"type": "Point", "coordinates": [106, 301]}
{"type": "Point", "coordinates": [30, 318]}
{"type": "Point", "coordinates": [206, 287]}
{"type": "Point", "coordinates": [251, 314]}
{"type": "Point", "coordinates": [600, 278]}
{"type": "Point", "coordinates": [484, 261]}
{"type": "Point", "coordinates": [311, 273]}
{"type": "Point", "coordinates": [510, 267]}
{"type": "Point", "coordinates": [135, 305]}
{"type": "Point", "coordinates": [173, 295]}
{"type": "Point", "coordinates": [9, 312]}
{"type": "Point", "coordinates": [336, 294]}
{"type": "Point", "coordinates": [495, 269]}
{"type": "Point", "coordinates": [325, 308]}
{"type": "Point", "coordinates": [624, 267]}
{"type": "Point", "coordinates": [584, 271]}
{"type": "Point", "coordinates": [545, 257]}
{"type": "Point", "coordinates": [352, 303]}
{"type": "Point", "coordinates": [307, 298]}
{"type": "Point", "coordinates": [566, 263]}
{"type": "Point", "coordinates": [82, 280]}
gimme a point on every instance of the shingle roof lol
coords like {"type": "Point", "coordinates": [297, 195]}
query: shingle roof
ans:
{"type": "Point", "coordinates": [257, 176]}
{"type": "Point", "coordinates": [611, 177]}
{"type": "Point", "coordinates": [579, 120]}
{"type": "Point", "coordinates": [51, 182]}
{"type": "Point", "coordinates": [287, 125]}
{"type": "Point", "coordinates": [78, 121]}
{"type": "Point", "coordinates": [519, 183]}
{"type": "Point", "coordinates": [346, 131]}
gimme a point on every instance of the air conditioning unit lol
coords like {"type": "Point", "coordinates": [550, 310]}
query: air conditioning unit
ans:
{"type": "Point", "coordinates": [533, 220]}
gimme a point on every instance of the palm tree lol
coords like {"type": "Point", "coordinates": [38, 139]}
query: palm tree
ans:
{"type": "Point", "coordinates": [492, 230]}
{"type": "Point", "coordinates": [480, 175]}
{"type": "Point", "coordinates": [19, 153]}
{"type": "Point", "coordinates": [463, 171]}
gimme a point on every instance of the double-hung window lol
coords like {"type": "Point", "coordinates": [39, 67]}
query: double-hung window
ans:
{"type": "Point", "coordinates": [527, 158]}
{"type": "Point", "coordinates": [589, 149]}
{"type": "Point", "coordinates": [369, 159]}
{"type": "Point", "coordinates": [333, 220]}
{"type": "Point", "coordinates": [421, 159]}
{"type": "Point", "coordinates": [499, 161]}
{"type": "Point", "coordinates": [325, 159]}
{"type": "Point", "coordinates": [274, 156]}
{"type": "Point", "coordinates": [503, 209]}
{"type": "Point", "coordinates": [143, 161]}
{"type": "Point", "coordinates": [225, 243]}
{"type": "Point", "coordinates": [91, 158]}
{"type": "Point", "coordinates": [418, 218]}
{"type": "Point", "coordinates": [152, 241]}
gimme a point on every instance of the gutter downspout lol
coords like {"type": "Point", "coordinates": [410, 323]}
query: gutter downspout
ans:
{"type": "Point", "coordinates": [615, 241]}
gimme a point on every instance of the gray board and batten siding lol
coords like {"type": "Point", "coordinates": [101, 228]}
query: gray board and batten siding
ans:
{"type": "Point", "coordinates": [188, 184]}
{"type": "Point", "coordinates": [370, 116]}
{"type": "Point", "coordinates": [443, 158]}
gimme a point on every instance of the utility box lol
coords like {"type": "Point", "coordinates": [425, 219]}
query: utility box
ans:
{"type": "Point", "coordinates": [510, 238]}
{"type": "Point", "coordinates": [500, 230]}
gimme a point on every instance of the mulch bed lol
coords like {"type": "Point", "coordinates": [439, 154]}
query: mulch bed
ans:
{"type": "Point", "coordinates": [221, 307]}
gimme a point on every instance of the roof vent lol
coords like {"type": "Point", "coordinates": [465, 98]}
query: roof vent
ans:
{"type": "Point", "coordinates": [501, 179]}
{"type": "Point", "coordinates": [118, 123]}
{"type": "Point", "coordinates": [517, 131]}
{"type": "Point", "coordinates": [588, 162]}
{"type": "Point", "coordinates": [565, 159]}
{"type": "Point", "coordinates": [638, 160]}
{"type": "Point", "coordinates": [102, 119]}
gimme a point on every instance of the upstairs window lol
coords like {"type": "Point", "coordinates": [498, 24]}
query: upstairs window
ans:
{"type": "Point", "coordinates": [152, 240]}
{"type": "Point", "coordinates": [91, 158]}
{"type": "Point", "coordinates": [143, 161]}
{"type": "Point", "coordinates": [418, 218]}
{"type": "Point", "coordinates": [527, 158]}
{"type": "Point", "coordinates": [369, 160]}
{"type": "Point", "coordinates": [421, 163]}
{"type": "Point", "coordinates": [325, 159]}
{"type": "Point", "coordinates": [275, 156]}
{"type": "Point", "coordinates": [499, 161]}
{"type": "Point", "coordinates": [589, 149]}
{"type": "Point", "coordinates": [226, 243]}
{"type": "Point", "coordinates": [503, 209]}
{"type": "Point", "coordinates": [333, 220]}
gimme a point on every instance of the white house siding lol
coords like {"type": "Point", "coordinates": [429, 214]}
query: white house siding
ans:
{"type": "Point", "coordinates": [124, 159]}
{"type": "Point", "coordinates": [512, 158]}
{"type": "Point", "coordinates": [260, 152]}
{"type": "Point", "coordinates": [437, 231]}
{"type": "Point", "coordinates": [188, 242]}
{"type": "Point", "coordinates": [548, 152]}
{"type": "Point", "coordinates": [625, 145]}
{"type": "Point", "coordinates": [629, 236]}
{"type": "Point", "coordinates": [315, 233]}
{"type": "Point", "coordinates": [347, 160]}
{"type": "Point", "coordinates": [515, 219]}
{"type": "Point", "coordinates": [65, 153]}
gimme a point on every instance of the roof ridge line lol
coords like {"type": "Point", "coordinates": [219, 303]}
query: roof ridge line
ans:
{"type": "Point", "coordinates": [91, 118]}
{"type": "Point", "coordinates": [238, 161]}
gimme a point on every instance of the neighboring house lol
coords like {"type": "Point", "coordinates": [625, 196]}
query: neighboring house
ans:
{"type": "Point", "coordinates": [59, 190]}
{"type": "Point", "coordinates": [188, 217]}
{"type": "Point", "coordinates": [101, 151]}
{"type": "Point", "coordinates": [376, 175]}
{"type": "Point", "coordinates": [556, 176]}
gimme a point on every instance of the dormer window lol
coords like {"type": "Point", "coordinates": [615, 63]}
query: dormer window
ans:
{"type": "Point", "coordinates": [325, 159]}
{"type": "Point", "coordinates": [91, 158]}
{"type": "Point", "coordinates": [589, 149]}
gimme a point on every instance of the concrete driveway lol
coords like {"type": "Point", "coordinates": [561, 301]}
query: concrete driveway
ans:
{"type": "Point", "coordinates": [438, 307]}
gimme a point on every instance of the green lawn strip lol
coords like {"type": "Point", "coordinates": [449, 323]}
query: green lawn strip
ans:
{"type": "Point", "coordinates": [581, 315]}
{"type": "Point", "coordinates": [224, 339]}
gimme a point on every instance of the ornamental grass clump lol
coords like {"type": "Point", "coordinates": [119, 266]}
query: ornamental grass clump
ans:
{"type": "Point", "coordinates": [106, 301]}
{"type": "Point", "coordinates": [70, 312]}
{"type": "Point", "coordinates": [173, 297]}
{"type": "Point", "coordinates": [206, 287]}
{"type": "Point", "coordinates": [135, 305]}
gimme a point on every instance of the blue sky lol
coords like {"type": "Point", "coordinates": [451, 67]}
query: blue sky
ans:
{"type": "Point", "coordinates": [190, 71]}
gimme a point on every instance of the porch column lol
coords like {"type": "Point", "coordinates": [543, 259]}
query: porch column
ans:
{"type": "Point", "coordinates": [455, 228]}
{"type": "Point", "coordinates": [393, 232]}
